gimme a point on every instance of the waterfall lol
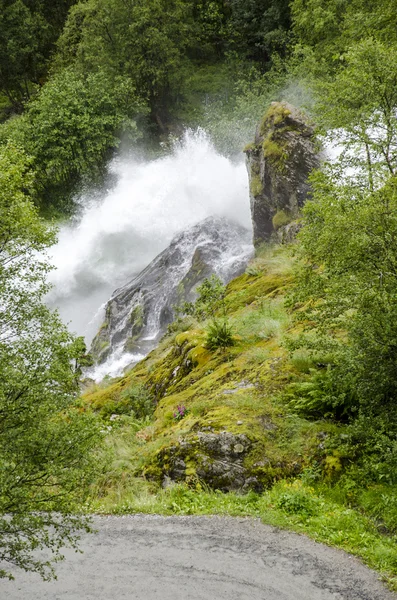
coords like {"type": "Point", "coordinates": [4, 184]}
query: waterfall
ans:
{"type": "Point", "coordinates": [115, 237]}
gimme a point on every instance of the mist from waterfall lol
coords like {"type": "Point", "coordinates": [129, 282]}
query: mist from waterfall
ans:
{"type": "Point", "coordinates": [115, 237]}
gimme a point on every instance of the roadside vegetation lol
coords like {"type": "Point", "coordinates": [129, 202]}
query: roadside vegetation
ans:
{"type": "Point", "coordinates": [294, 363]}
{"type": "Point", "coordinates": [320, 474]}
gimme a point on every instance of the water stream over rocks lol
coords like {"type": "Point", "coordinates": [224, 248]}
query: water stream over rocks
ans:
{"type": "Point", "coordinates": [116, 237]}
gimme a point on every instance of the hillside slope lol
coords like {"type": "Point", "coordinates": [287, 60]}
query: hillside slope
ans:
{"type": "Point", "coordinates": [231, 431]}
{"type": "Point", "coordinates": [188, 423]}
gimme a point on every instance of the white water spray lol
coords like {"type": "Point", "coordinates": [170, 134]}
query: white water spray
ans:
{"type": "Point", "coordinates": [115, 238]}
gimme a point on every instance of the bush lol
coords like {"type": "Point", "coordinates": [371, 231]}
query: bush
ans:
{"type": "Point", "coordinates": [294, 499]}
{"type": "Point", "coordinates": [219, 335]}
{"type": "Point", "coordinates": [135, 400]}
{"type": "Point", "coordinates": [319, 396]}
{"type": "Point", "coordinates": [211, 298]}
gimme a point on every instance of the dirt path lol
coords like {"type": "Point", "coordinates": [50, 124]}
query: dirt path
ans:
{"type": "Point", "coordinates": [200, 558]}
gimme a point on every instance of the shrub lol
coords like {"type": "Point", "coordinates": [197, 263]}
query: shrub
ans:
{"type": "Point", "coordinates": [219, 335]}
{"type": "Point", "coordinates": [294, 499]}
{"type": "Point", "coordinates": [211, 298]}
{"type": "Point", "coordinates": [135, 399]}
{"type": "Point", "coordinates": [316, 396]}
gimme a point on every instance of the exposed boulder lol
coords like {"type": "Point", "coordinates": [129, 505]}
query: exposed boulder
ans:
{"type": "Point", "coordinates": [279, 162]}
{"type": "Point", "coordinates": [214, 458]}
{"type": "Point", "coordinates": [139, 313]}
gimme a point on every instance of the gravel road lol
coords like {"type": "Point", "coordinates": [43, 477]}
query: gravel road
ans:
{"type": "Point", "coordinates": [199, 558]}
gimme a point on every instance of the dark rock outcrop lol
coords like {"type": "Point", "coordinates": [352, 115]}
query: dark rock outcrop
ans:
{"type": "Point", "coordinates": [279, 163]}
{"type": "Point", "coordinates": [139, 313]}
{"type": "Point", "coordinates": [218, 461]}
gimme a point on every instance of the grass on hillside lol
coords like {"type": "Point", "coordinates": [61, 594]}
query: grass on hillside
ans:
{"type": "Point", "coordinates": [240, 390]}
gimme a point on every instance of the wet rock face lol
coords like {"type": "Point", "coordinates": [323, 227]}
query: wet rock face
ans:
{"type": "Point", "coordinates": [138, 314]}
{"type": "Point", "coordinates": [279, 163]}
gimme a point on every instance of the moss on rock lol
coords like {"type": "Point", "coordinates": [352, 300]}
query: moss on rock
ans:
{"type": "Point", "coordinates": [236, 434]}
{"type": "Point", "coordinates": [256, 185]}
{"type": "Point", "coordinates": [281, 218]}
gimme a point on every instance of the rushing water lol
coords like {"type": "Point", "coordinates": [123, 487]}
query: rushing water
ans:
{"type": "Point", "coordinates": [116, 237]}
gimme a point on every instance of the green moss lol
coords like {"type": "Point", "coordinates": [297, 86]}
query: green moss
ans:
{"type": "Point", "coordinates": [276, 114]}
{"type": "Point", "coordinates": [249, 147]}
{"type": "Point", "coordinates": [281, 218]}
{"type": "Point", "coordinates": [136, 320]}
{"type": "Point", "coordinates": [256, 187]}
{"type": "Point", "coordinates": [99, 395]}
{"type": "Point", "coordinates": [276, 152]}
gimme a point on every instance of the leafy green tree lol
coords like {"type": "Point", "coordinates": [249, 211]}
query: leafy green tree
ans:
{"type": "Point", "coordinates": [71, 127]}
{"type": "Point", "coordinates": [28, 31]}
{"type": "Point", "coordinates": [330, 27]}
{"type": "Point", "coordinates": [359, 104]}
{"type": "Point", "coordinates": [348, 285]}
{"type": "Point", "coordinates": [74, 122]}
{"type": "Point", "coordinates": [259, 28]}
{"type": "Point", "coordinates": [143, 40]}
{"type": "Point", "coordinates": [19, 50]}
{"type": "Point", "coordinates": [46, 444]}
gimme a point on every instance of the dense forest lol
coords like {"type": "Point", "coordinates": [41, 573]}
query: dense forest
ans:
{"type": "Point", "coordinates": [79, 80]}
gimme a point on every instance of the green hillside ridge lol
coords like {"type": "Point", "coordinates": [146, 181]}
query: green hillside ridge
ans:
{"type": "Point", "coordinates": [239, 448]}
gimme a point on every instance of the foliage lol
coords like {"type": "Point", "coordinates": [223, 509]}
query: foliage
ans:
{"type": "Point", "coordinates": [210, 299]}
{"type": "Point", "coordinates": [28, 31]}
{"type": "Point", "coordinates": [90, 112]}
{"type": "Point", "coordinates": [139, 401]}
{"type": "Point", "coordinates": [70, 126]}
{"type": "Point", "coordinates": [259, 28]}
{"type": "Point", "coordinates": [330, 27]}
{"type": "Point", "coordinates": [45, 443]}
{"type": "Point", "coordinates": [211, 295]}
{"type": "Point", "coordinates": [359, 105]}
{"type": "Point", "coordinates": [296, 500]}
{"type": "Point", "coordinates": [349, 279]}
{"type": "Point", "coordinates": [145, 41]}
{"type": "Point", "coordinates": [219, 335]}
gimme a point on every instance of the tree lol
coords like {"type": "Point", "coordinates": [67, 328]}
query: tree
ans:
{"type": "Point", "coordinates": [348, 286]}
{"type": "Point", "coordinates": [19, 51]}
{"type": "Point", "coordinates": [359, 104]}
{"type": "Point", "coordinates": [330, 27]}
{"type": "Point", "coordinates": [71, 127]}
{"type": "Point", "coordinates": [75, 120]}
{"type": "Point", "coordinates": [260, 28]}
{"type": "Point", "coordinates": [28, 31]}
{"type": "Point", "coordinates": [144, 40]}
{"type": "Point", "coordinates": [46, 443]}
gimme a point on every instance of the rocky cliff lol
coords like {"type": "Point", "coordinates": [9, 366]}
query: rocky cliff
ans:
{"type": "Point", "coordinates": [138, 313]}
{"type": "Point", "coordinates": [279, 163]}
